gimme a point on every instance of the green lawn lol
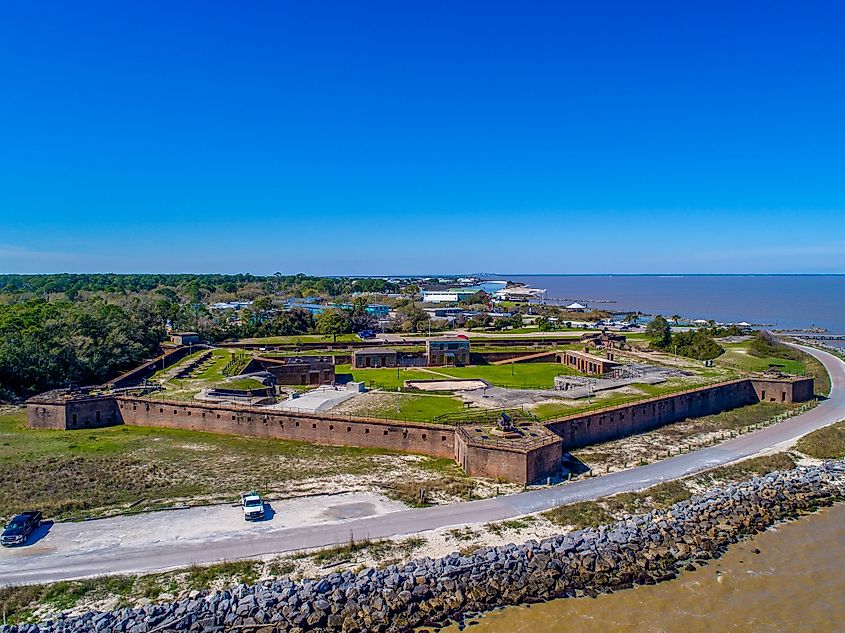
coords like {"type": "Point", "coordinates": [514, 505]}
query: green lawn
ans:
{"type": "Point", "coordinates": [531, 375]}
{"type": "Point", "coordinates": [551, 410]}
{"type": "Point", "coordinates": [416, 408]}
{"type": "Point", "coordinates": [564, 333]}
{"type": "Point", "coordinates": [301, 338]}
{"type": "Point", "coordinates": [737, 355]}
{"type": "Point", "coordinates": [387, 378]}
{"type": "Point", "coordinates": [242, 384]}
{"type": "Point", "coordinates": [527, 375]}
{"type": "Point", "coordinates": [211, 373]}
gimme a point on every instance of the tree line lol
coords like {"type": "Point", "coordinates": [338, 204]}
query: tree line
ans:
{"type": "Point", "coordinates": [699, 344]}
{"type": "Point", "coordinates": [46, 345]}
{"type": "Point", "coordinates": [188, 286]}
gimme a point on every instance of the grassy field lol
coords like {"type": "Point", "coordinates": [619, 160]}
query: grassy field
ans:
{"type": "Point", "coordinates": [539, 375]}
{"type": "Point", "coordinates": [826, 443]}
{"type": "Point", "coordinates": [77, 474]}
{"type": "Point", "coordinates": [302, 338]}
{"type": "Point", "coordinates": [387, 378]}
{"type": "Point", "coordinates": [551, 410]}
{"type": "Point", "coordinates": [737, 355]}
{"type": "Point", "coordinates": [415, 408]}
{"type": "Point", "coordinates": [565, 333]}
{"type": "Point", "coordinates": [242, 384]}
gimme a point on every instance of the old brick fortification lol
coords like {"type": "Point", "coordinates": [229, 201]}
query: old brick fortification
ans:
{"type": "Point", "coordinates": [534, 457]}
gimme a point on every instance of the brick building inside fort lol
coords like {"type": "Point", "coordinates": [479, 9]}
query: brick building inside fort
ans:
{"type": "Point", "coordinates": [587, 363]}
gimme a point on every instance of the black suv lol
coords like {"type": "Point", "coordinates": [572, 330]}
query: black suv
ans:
{"type": "Point", "coordinates": [20, 528]}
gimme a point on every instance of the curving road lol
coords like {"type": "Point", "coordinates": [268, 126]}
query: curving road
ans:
{"type": "Point", "coordinates": [71, 550]}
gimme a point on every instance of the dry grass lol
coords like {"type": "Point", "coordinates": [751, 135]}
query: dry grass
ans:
{"type": "Point", "coordinates": [826, 443]}
{"type": "Point", "coordinates": [375, 550]}
{"type": "Point", "coordinates": [579, 515]}
{"type": "Point", "coordinates": [748, 468]}
{"type": "Point", "coordinates": [79, 474]}
{"type": "Point", "coordinates": [659, 496]}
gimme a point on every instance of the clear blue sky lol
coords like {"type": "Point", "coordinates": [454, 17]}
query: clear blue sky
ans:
{"type": "Point", "coordinates": [403, 137]}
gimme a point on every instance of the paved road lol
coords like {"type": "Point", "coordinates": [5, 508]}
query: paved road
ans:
{"type": "Point", "coordinates": [48, 563]}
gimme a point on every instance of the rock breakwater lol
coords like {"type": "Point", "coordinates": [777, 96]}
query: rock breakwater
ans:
{"type": "Point", "coordinates": [639, 549]}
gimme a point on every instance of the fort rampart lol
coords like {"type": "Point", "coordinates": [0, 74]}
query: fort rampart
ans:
{"type": "Point", "coordinates": [168, 358]}
{"type": "Point", "coordinates": [602, 425]}
{"type": "Point", "coordinates": [436, 440]}
{"type": "Point", "coordinates": [524, 462]}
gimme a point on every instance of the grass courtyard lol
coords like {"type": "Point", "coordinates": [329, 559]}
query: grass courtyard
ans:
{"type": "Point", "coordinates": [520, 375]}
{"type": "Point", "coordinates": [410, 407]}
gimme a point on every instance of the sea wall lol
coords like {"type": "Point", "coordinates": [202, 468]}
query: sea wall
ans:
{"type": "Point", "coordinates": [641, 549]}
{"type": "Point", "coordinates": [320, 428]}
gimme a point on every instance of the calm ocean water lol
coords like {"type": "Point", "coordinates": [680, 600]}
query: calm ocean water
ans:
{"type": "Point", "coordinates": [782, 301]}
{"type": "Point", "coordinates": [795, 585]}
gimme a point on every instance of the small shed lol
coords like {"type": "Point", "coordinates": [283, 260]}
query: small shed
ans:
{"type": "Point", "coordinates": [372, 357]}
{"type": "Point", "coordinates": [184, 338]}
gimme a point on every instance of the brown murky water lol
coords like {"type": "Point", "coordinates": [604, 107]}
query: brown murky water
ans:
{"type": "Point", "coordinates": [795, 585]}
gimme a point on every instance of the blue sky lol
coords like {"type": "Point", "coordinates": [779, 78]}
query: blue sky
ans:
{"type": "Point", "coordinates": [405, 137]}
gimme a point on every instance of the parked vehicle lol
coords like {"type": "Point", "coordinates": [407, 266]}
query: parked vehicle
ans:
{"type": "Point", "coordinates": [253, 506]}
{"type": "Point", "coordinates": [366, 334]}
{"type": "Point", "coordinates": [19, 529]}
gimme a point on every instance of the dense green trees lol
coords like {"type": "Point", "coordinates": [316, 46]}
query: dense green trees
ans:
{"type": "Point", "coordinates": [333, 323]}
{"type": "Point", "coordinates": [412, 318]}
{"type": "Point", "coordinates": [698, 344]}
{"type": "Point", "coordinates": [187, 286]}
{"type": "Point", "coordinates": [658, 332]}
{"type": "Point", "coordinates": [44, 345]}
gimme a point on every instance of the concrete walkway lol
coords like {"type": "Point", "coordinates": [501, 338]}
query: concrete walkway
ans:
{"type": "Point", "coordinates": [60, 558]}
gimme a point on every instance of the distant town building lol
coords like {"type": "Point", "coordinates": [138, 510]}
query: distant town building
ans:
{"type": "Point", "coordinates": [374, 357]}
{"type": "Point", "coordinates": [375, 309]}
{"type": "Point", "coordinates": [230, 305]}
{"type": "Point", "coordinates": [447, 350]}
{"type": "Point", "coordinates": [184, 338]}
{"type": "Point", "coordinates": [519, 293]}
{"type": "Point", "coordinates": [450, 295]}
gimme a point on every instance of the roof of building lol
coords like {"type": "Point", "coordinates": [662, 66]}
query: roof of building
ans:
{"type": "Point", "coordinates": [576, 306]}
{"type": "Point", "coordinates": [588, 356]}
{"type": "Point", "coordinates": [448, 339]}
{"type": "Point", "coordinates": [374, 350]}
{"type": "Point", "coordinates": [184, 334]}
